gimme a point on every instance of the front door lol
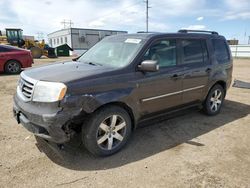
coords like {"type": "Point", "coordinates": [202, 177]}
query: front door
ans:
{"type": "Point", "coordinates": [162, 89]}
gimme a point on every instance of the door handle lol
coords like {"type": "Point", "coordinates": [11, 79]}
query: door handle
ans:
{"type": "Point", "coordinates": [208, 70]}
{"type": "Point", "coordinates": [177, 76]}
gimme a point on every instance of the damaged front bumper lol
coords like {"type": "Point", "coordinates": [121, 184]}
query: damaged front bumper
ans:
{"type": "Point", "coordinates": [48, 121]}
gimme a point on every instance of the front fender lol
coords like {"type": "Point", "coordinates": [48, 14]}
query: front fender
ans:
{"type": "Point", "coordinates": [90, 102]}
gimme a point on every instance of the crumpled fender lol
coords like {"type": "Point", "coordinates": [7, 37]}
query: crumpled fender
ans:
{"type": "Point", "coordinates": [90, 102]}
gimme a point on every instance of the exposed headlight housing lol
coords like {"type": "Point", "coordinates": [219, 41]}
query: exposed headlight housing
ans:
{"type": "Point", "coordinates": [49, 91]}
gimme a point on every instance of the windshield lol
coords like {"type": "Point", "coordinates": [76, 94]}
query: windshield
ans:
{"type": "Point", "coordinates": [113, 51]}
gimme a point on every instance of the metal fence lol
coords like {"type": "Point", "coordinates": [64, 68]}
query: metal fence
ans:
{"type": "Point", "coordinates": [240, 50]}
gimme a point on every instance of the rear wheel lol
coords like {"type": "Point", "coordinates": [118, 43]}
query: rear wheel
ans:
{"type": "Point", "coordinates": [13, 67]}
{"type": "Point", "coordinates": [107, 131]}
{"type": "Point", "coordinates": [214, 100]}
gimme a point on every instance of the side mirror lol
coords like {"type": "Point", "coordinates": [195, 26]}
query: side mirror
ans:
{"type": "Point", "coordinates": [148, 66]}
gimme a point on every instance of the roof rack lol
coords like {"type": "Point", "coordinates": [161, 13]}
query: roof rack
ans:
{"type": "Point", "coordinates": [147, 32]}
{"type": "Point", "coordinates": [197, 31]}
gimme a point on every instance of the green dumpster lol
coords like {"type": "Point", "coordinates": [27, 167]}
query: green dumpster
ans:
{"type": "Point", "coordinates": [63, 50]}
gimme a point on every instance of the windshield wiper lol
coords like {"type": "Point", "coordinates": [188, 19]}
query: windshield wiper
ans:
{"type": "Point", "coordinates": [95, 64]}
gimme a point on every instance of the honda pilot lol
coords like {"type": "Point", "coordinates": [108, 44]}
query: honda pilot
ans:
{"type": "Point", "coordinates": [121, 81]}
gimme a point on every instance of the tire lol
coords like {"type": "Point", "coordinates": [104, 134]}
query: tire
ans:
{"type": "Point", "coordinates": [36, 52]}
{"type": "Point", "coordinates": [12, 67]}
{"type": "Point", "coordinates": [214, 100]}
{"type": "Point", "coordinates": [106, 131]}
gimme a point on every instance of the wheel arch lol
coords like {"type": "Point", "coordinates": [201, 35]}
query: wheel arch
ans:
{"type": "Point", "coordinates": [13, 60]}
{"type": "Point", "coordinates": [125, 107]}
{"type": "Point", "coordinates": [222, 83]}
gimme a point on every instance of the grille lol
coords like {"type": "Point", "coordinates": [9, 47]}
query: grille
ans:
{"type": "Point", "coordinates": [26, 88]}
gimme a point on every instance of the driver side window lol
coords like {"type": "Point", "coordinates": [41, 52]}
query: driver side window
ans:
{"type": "Point", "coordinates": [163, 51]}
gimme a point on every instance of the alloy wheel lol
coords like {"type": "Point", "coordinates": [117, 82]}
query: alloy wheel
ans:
{"type": "Point", "coordinates": [111, 132]}
{"type": "Point", "coordinates": [13, 67]}
{"type": "Point", "coordinates": [216, 100]}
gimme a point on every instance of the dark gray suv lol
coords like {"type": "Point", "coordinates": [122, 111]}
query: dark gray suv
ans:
{"type": "Point", "coordinates": [121, 81]}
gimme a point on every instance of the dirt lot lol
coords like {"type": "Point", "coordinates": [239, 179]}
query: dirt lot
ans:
{"type": "Point", "coordinates": [188, 151]}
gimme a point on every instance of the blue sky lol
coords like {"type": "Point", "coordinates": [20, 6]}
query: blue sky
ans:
{"type": "Point", "coordinates": [231, 18]}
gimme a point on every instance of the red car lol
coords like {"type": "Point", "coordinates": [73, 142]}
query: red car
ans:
{"type": "Point", "coordinates": [13, 59]}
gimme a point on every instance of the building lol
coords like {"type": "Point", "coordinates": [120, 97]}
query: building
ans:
{"type": "Point", "coordinates": [233, 42]}
{"type": "Point", "coordinates": [28, 37]}
{"type": "Point", "coordinates": [79, 39]}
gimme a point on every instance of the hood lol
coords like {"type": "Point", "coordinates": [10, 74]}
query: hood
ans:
{"type": "Point", "coordinates": [65, 71]}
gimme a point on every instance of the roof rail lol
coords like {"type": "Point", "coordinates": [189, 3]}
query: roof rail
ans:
{"type": "Point", "coordinates": [197, 31]}
{"type": "Point", "coordinates": [142, 32]}
{"type": "Point", "coordinates": [147, 32]}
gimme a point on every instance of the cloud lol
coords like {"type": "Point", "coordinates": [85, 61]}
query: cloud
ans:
{"type": "Point", "coordinates": [128, 15]}
{"type": "Point", "coordinates": [97, 23]}
{"type": "Point", "coordinates": [236, 15]}
{"type": "Point", "coordinates": [240, 5]}
{"type": "Point", "coordinates": [176, 8]}
{"type": "Point", "coordinates": [200, 18]}
{"type": "Point", "coordinates": [237, 10]}
{"type": "Point", "coordinates": [195, 27]}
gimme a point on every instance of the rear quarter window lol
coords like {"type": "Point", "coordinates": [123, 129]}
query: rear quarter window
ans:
{"type": "Point", "coordinates": [221, 51]}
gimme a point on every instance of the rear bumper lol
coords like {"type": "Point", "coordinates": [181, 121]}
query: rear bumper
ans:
{"type": "Point", "coordinates": [51, 127]}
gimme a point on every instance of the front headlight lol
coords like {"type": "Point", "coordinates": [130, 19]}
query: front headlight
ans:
{"type": "Point", "coordinates": [49, 91]}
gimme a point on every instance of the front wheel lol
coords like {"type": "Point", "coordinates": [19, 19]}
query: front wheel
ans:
{"type": "Point", "coordinates": [214, 100]}
{"type": "Point", "coordinates": [107, 131]}
{"type": "Point", "coordinates": [13, 67]}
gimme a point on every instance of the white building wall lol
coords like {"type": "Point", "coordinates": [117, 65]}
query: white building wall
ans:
{"type": "Point", "coordinates": [79, 39]}
{"type": "Point", "coordinates": [60, 37]}
{"type": "Point", "coordinates": [240, 50]}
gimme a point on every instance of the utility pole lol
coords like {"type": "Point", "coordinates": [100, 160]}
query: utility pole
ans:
{"type": "Point", "coordinates": [40, 35]}
{"type": "Point", "coordinates": [147, 7]}
{"type": "Point", "coordinates": [67, 24]}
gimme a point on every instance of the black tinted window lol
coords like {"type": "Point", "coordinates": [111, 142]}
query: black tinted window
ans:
{"type": "Point", "coordinates": [220, 50]}
{"type": "Point", "coordinates": [194, 51]}
{"type": "Point", "coordinates": [2, 49]}
{"type": "Point", "coordinates": [7, 49]}
{"type": "Point", "coordinates": [163, 51]}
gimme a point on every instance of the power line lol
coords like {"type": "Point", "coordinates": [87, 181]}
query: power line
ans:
{"type": "Point", "coordinates": [67, 23]}
{"type": "Point", "coordinates": [114, 12]}
{"type": "Point", "coordinates": [40, 35]}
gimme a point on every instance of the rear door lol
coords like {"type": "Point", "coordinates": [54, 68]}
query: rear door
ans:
{"type": "Point", "coordinates": [196, 69]}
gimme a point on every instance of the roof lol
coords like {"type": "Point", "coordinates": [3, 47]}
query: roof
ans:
{"type": "Point", "coordinates": [64, 46]}
{"type": "Point", "coordinates": [177, 34]}
{"type": "Point", "coordinates": [87, 30]}
{"type": "Point", "coordinates": [12, 47]}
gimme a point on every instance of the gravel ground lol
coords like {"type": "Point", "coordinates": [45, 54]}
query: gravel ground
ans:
{"type": "Point", "coordinates": [191, 150]}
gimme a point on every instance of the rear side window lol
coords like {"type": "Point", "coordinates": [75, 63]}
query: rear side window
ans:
{"type": "Point", "coordinates": [194, 51]}
{"type": "Point", "coordinates": [221, 51]}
